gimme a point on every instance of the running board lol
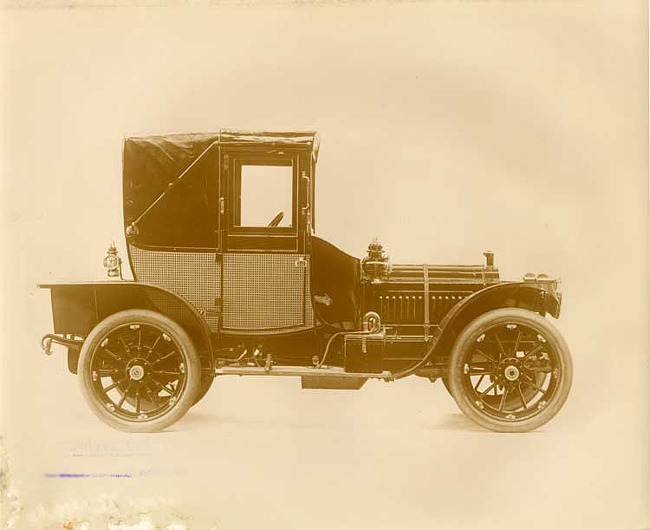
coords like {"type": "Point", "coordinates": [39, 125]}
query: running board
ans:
{"type": "Point", "coordinates": [329, 372]}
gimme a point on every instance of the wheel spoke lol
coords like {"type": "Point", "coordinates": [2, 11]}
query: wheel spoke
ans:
{"type": "Point", "coordinates": [479, 372]}
{"type": "Point", "coordinates": [125, 345]}
{"type": "Point", "coordinates": [137, 400]}
{"type": "Point", "coordinates": [161, 359]}
{"type": "Point", "coordinates": [521, 395]}
{"type": "Point", "coordinates": [164, 387]}
{"type": "Point", "coordinates": [533, 351]}
{"type": "Point", "coordinates": [531, 383]}
{"type": "Point", "coordinates": [153, 346]}
{"type": "Point", "coordinates": [486, 356]}
{"type": "Point", "coordinates": [514, 352]}
{"type": "Point", "coordinates": [111, 387]}
{"type": "Point", "coordinates": [166, 372]}
{"type": "Point", "coordinates": [126, 391]}
{"type": "Point", "coordinates": [487, 390]}
{"type": "Point", "coordinates": [484, 366]}
{"type": "Point", "coordinates": [151, 395]}
{"type": "Point", "coordinates": [480, 379]}
{"type": "Point", "coordinates": [105, 372]}
{"type": "Point", "coordinates": [503, 399]}
{"type": "Point", "coordinates": [113, 355]}
{"type": "Point", "coordinates": [503, 353]}
{"type": "Point", "coordinates": [474, 368]}
{"type": "Point", "coordinates": [540, 369]}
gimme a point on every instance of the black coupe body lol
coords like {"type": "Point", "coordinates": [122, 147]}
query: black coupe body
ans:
{"type": "Point", "coordinates": [230, 279]}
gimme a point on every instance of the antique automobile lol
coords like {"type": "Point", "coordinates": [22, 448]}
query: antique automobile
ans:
{"type": "Point", "coordinates": [229, 279]}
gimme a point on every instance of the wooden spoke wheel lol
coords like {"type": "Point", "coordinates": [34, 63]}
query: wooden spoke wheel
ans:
{"type": "Point", "coordinates": [510, 370]}
{"type": "Point", "coordinates": [139, 371]}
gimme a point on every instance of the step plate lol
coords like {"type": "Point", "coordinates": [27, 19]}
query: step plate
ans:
{"type": "Point", "coordinates": [332, 383]}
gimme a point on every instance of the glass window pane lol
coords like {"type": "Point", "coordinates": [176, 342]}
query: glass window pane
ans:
{"type": "Point", "coordinates": [266, 191]}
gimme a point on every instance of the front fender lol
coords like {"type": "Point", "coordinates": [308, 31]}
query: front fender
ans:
{"type": "Point", "coordinates": [538, 297]}
{"type": "Point", "coordinates": [78, 307]}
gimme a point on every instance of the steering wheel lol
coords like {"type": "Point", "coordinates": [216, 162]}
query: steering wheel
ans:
{"type": "Point", "coordinates": [276, 220]}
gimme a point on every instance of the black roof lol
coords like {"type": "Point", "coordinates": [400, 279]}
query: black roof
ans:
{"type": "Point", "coordinates": [185, 141]}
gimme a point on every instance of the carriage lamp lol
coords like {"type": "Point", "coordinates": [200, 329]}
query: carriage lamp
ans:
{"type": "Point", "coordinates": [376, 265]}
{"type": "Point", "coordinates": [112, 262]}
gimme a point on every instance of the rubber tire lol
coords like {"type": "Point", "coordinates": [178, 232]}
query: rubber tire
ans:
{"type": "Point", "coordinates": [192, 370]}
{"type": "Point", "coordinates": [206, 383]}
{"type": "Point", "coordinates": [469, 335]}
{"type": "Point", "coordinates": [445, 381]}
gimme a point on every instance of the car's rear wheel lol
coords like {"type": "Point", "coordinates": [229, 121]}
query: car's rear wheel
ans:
{"type": "Point", "coordinates": [206, 383]}
{"type": "Point", "coordinates": [139, 371]}
{"type": "Point", "coordinates": [510, 370]}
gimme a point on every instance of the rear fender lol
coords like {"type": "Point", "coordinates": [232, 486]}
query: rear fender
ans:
{"type": "Point", "coordinates": [78, 307]}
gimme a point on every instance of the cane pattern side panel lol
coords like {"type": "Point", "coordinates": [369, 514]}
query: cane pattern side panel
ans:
{"type": "Point", "coordinates": [266, 292]}
{"type": "Point", "coordinates": [194, 276]}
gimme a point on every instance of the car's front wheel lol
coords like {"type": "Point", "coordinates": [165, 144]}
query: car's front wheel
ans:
{"type": "Point", "coordinates": [510, 370]}
{"type": "Point", "coordinates": [139, 371]}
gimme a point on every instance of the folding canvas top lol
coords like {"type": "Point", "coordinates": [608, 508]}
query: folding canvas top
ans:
{"type": "Point", "coordinates": [170, 182]}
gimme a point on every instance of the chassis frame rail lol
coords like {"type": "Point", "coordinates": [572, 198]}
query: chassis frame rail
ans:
{"type": "Point", "coordinates": [319, 371]}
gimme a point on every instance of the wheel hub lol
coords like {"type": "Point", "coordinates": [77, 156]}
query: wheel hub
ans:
{"type": "Point", "coordinates": [511, 372]}
{"type": "Point", "coordinates": [136, 372]}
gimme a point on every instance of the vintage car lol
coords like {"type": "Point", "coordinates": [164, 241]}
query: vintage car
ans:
{"type": "Point", "coordinates": [229, 279]}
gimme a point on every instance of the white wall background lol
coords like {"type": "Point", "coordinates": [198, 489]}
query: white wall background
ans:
{"type": "Point", "coordinates": [447, 129]}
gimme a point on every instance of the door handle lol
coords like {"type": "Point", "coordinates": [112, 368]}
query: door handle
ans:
{"type": "Point", "coordinates": [323, 299]}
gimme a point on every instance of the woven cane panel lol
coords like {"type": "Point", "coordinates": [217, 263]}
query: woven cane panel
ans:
{"type": "Point", "coordinates": [194, 276]}
{"type": "Point", "coordinates": [266, 292]}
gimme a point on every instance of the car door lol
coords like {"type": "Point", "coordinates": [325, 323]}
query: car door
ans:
{"type": "Point", "coordinates": [265, 280]}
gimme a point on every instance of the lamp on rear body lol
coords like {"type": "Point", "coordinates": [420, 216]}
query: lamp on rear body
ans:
{"type": "Point", "coordinates": [112, 262]}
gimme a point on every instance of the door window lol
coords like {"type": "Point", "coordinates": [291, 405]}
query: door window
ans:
{"type": "Point", "coordinates": [265, 196]}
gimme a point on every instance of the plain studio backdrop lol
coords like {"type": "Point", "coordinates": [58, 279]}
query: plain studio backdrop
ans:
{"type": "Point", "coordinates": [447, 129]}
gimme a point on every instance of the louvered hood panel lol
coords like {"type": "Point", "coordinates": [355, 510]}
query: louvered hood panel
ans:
{"type": "Point", "coordinates": [400, 298]}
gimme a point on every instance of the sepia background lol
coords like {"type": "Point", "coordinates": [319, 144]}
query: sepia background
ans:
{"type": "Point", "coordinates": [447, 129]}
